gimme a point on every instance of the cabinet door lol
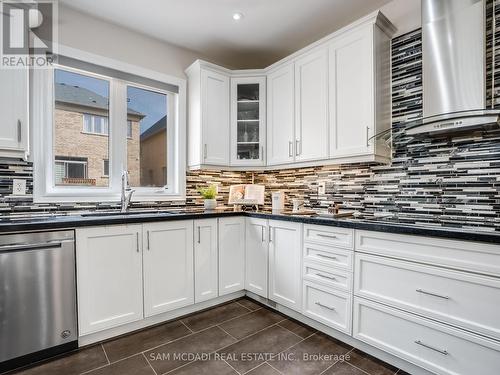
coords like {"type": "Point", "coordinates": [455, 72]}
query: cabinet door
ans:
{"type": "Point", "coordinates": [13, 110]}
{"type": "Point", "coordinates": [231, 255]}
{"type": "Point", "coordinates": [311, 106]}
{"type": "Point", "coordinates": [351, 94]}
{"type": "Point", "coordinates": [257, 256]}
{"type": "Point", "coordinates": [248, 121]}
{"type": "Point", "coordinates": [215, 118]}
{"type": "Point", "coordinates": [205, 260]}
{"type": "Point", "coordinates": [109, 274]}
{"type": "Point", "coordinates": [168, 266]}
{"type": "Point", "coordinates": [280, 116]}
{"type": "Point", "coordinates": [285, 243]}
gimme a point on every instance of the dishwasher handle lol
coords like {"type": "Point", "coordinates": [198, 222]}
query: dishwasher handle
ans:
{"type": "Point", "coordinates": [32, 246]}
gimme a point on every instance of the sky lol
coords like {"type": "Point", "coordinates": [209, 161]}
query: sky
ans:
{"type": "Point", "coordinates": [151, 104]}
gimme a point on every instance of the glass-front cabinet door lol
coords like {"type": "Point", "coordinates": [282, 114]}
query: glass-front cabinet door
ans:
{"type": "Point", "coordinates": [248, 121]}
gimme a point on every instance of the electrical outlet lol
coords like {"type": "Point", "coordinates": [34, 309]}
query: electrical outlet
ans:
{"type": "Point", "coordinates": [322, 187]}
{"type": "Point", "coordinates": [19, 187]}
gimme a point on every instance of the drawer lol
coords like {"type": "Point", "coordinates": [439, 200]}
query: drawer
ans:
{"type": "Point", "coordinates": [331, 277]}
{"type": "Point", "coordinates": [436, 347]}
{"type": "Point", "coordinates": [330, 236]}
{"type": "Point", "coordinates": [463, 299]}
{"type": "Point", "coordinates": [328, 256]}
{"type": "Point", "coordinates": [464, 255]}
{"type": "Point", "coordinates": [328, 306]}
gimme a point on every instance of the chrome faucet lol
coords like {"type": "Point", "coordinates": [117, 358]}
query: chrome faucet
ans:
{"type": "Point", "coordinates": [126, 192]}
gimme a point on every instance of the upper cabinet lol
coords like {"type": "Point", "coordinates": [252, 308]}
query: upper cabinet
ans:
{"type": "Point", "coordinates": [281, 115]}
{"type": "Point", "coordinates": [208, 116]}
{"type": "Point", "coordinates": [359, 93]}
{"type": "Point", "coordinates": [248, 121]}
{"type": "Point", "coordinates": [14, 137]}
{"type": "Point", "coordinates": [311, 106]}
{"type": "Point", "coordinates": [326, 104]}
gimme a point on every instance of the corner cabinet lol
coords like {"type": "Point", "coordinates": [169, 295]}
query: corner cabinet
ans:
{"type": "Point", "coordinates": [14, 137]}
{"type": "Point", "coordinates": [248, 121]}
{"type": "Point", "coordinates": [208, 116]}
{"type": "Point", "coordinates": [231, 255]}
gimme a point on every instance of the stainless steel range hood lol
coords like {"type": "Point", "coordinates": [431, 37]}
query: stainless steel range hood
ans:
{"type": "Point", "coordinates": [454, 65]}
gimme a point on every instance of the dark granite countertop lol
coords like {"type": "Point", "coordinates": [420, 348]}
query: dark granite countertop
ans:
{"type": "Point", "coordinates": [24, 224]}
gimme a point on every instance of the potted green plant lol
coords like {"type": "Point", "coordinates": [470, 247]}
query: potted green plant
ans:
{"type": "Point", "coordinates": [209, 194]}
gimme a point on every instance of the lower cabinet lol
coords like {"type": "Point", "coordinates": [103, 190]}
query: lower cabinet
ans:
{"type": "Point", "coordinates": [109, 277]}
{"type": "Point", "coordinates": [285, 262]}
{"type": "Point", "coordinates": [256, 256]}
{"type": "Point", "coordinates": [231, 255]}
{"type": "Point", "coordinates": [205, 260]}
{"type": "Point", "coordinates": [168, 266]}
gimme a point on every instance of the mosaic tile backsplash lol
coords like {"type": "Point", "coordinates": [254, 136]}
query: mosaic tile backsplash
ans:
{"type": "Point", "coordinates": [438, 181]}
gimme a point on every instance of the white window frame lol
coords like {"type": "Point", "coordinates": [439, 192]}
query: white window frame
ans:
{"type": "Point", "coordinates": [93, 117]}
{"type": "Point", "coordinates": [42, 97]}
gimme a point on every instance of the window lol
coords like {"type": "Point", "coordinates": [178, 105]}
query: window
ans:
{"type": "Point", "coordinates": [71, 171]}
{"type": "Point", "coordinates": [105, 121]}
{"type": "Point", "coordinates": [105, 168]}
{"type": "Point", "coordinates": [94, 124]}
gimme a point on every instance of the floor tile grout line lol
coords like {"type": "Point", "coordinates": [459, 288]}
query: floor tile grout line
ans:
{"type": "Point", "coordinates": [356, 367]}
{"type": "Point", "coordinates": [106, 354]}
{"type": "Point", "coordinates": [223, 330]}
{"type": "Point", "coordinates": [227, 363]}
{"type": "Point", "coordinates": [290, 330]}
{"type": "Point", "coordinates": [274, 367]}
{"type": "Point", "coordinates": [184, 324]}
{"type": "Point", "coordinates": [262, 364]}
{"type": "Point", "coordinates": [333, 364]}
{"type": "Point", "coordinates": [238, 302]}
{"type": "Point", "coordinates": [152, 368]}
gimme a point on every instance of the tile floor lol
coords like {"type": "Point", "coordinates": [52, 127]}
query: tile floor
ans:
{"type": "Point", "coordinates": [240, 337]}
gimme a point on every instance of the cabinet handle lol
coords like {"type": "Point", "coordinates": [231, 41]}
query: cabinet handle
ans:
{"type": "Point", "coordinates": [431, 294]}
{"type": "Point", "coordinates": [298, 147]}
{"type": "Point", "coordinates": [290, 149]}
{"type": "Point", "coordinates": [205, 151]}
{"type": "Point", "coordinates": [325, 306]}
{"type": "Point", "coordinates": [148, 239]}
{"type": "Point", "coordinates": [199, 234]}
{"type": "Point", "coordinates": [368, 136]}
{"type": "Point", "coordinates": [270, 234]}
{"type": "Point", "coordinates": [327, 256]}
{"type": "Point", "coordinates": [137, 240]}
{"type": "Point", "coordinates": [443, 352]}
{"type": "Point", "coordinates": [261, 152]}
{"type": "Point", "coordinates": [262, 233]}
{"type": "Point", "coordinates": [19, 131]}
{"type": "Point", "coordinates": [327, 235]}
{"type": "Point", "coordinates": [326, 277]}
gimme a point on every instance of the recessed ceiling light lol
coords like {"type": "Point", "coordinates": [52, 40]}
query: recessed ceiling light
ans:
{"type": "Point", "coordinates": [237, 16]}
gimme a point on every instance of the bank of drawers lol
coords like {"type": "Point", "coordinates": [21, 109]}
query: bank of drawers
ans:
{"type": "Point", "coordinates": [327, 275]}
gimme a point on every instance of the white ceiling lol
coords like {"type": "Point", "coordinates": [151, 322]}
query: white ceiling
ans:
{"type": "Point", "coordinates": [270, 29]}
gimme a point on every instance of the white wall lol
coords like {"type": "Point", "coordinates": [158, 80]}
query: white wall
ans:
{"type": "Point", "coordinates": [84, 32]}
{"type": "Point", "coordinates": [404, 14]}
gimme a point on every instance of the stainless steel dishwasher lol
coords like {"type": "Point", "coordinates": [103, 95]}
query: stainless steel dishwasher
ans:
{"type": "Point", "coordinates": [37, 296]}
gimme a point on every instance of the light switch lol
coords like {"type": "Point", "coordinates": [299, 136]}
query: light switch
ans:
{"type": "Point", "coordinates": [19, 187]}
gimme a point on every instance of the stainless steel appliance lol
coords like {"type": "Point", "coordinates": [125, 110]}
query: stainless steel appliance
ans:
{"type": "Point", "coordinates": [454, 68]}
{"type": "Point", "coordinates": [37, 296]}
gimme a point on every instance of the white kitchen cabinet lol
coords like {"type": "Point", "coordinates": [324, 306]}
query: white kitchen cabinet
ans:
{"type": "Point", "coordinates": [168, 266]}
{"type": "Point", "coordinates": [311, 105]}
{"type": "Point", "coordinates": [359, 92]}
{"type": "Point", "coordinates": [14, 137]}
{"type": "Point", "coordinates": [109, 277]}
{"type": "Point", "coordinates": [231, 255]}
{"type": "Point", "coordinates": [281, 115]}
{"type": "Point", "coordinates": [248, 121]}
{"type": "Point", "coordinates": [285, 262]}
{"type": "Point", "coordinates": [205, 260]}
{"type": "Point", "coordinates": [208, 116]}
{"type": "Point", "coordinates": [256, 256]}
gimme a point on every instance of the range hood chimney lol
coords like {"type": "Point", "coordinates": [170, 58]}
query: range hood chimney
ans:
{"type": "Point", "coordinates": [454, 67]}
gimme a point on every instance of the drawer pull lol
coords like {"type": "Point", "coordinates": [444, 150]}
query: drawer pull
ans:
{"type": "Point", "coordinates": [326, 277]}
{"type": "Point", "coordinates": [431, 294]}
{"type": "Point", "coordinates": [327, 256]}
{"type": "Point", "coordinates": [332, 236]}
{"type": "Point", "coordinates": [325, 306]}
{"type": "Point", "coordinates": [443, 352]}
